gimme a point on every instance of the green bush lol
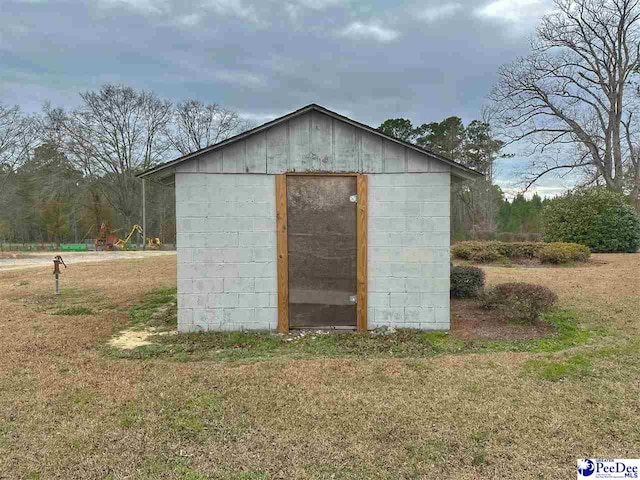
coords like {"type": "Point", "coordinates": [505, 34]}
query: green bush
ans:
{"type": "Point", "coordinates": [509, 237]}
{"type": "Point", "coordinates": [485, 252]}
{"type": "Point", "coordinates": [520, 301]}
{"type": "Point", "coordinates": [480, 252]}
{"type": "Point", "coordinates": [525, 250]}
{"type": "Point", "coordinates": [596, 217]}
{"type": "Point", "coordinates": [466, 281]}
{"type": "Point", "coordinates": [564, 253]}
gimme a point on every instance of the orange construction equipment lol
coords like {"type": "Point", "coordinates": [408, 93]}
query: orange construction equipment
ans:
{"type": "Point", "coordinates": [106, 239]}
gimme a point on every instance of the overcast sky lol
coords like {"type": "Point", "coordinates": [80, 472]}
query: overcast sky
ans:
{"type": "Point", "coordinates": [370, 60]}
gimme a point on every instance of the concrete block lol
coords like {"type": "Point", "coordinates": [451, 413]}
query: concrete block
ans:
{"type": "Point", "coordinates": [228, 270]}
{"type": "Point", "coordinates": [407, 270]}
{"type": "Point", "coordinates": [200, 321]}
{"type": "Point", "coordinates": [417, 254]}
{"type": "Point", "coordinates": [387, 285]}
{"type": "Point", "coordinates": [440, 285]}
{"type": "Point", "coordinates": [264, 224]}
{"type": "Point", "coordinates": [229, 224]}
{"type": "Point", "coordinates": [433, 209]}
{"type": "Point", "coordinates": [219, 240]}
{"type": "Point", "coordinates": [387, 224]}
{"type": "Point", "coordinates": [418, 284]}
{"type": "Point", "coordinates": [264, 254]}
{"type": "Point", "coordinates": [194, 301]}
{"type": "Point", "coordinates": [184, 255]}
{"type": "Point", "coordinates": [185, 285]}
{"type": "Point", "coordinates": [239, 316]}
{"type": "Point", "coordinates": [258, 239]}
{"type": "Point", "coordinates": [185, 270]}
{"type": "Point", "coordinates": [419, 315]}
{"type": "Point", "coordinates": [207, 285]}
{"type": "Point", "coordinates": [239, 285]}
{"type": "Point", "coordinates": [262, 193]}
{"type": "Point", "coordinates": [377, 269]}
{"type": "Point", "coordinates": [253, 300]}
{"type": "Point", "coordinates": [222, 300]}
{"type": "Point", "coordinates": [389, 316]}
{"type": "Point", "coordinates": [222, 255]}
{"type": "Point", "coordinates": [257, 270]}
{"type": "Point", "coordinates": [435, 300]}
{"type": "Point", "coordinates": [404, 299]}
{"type": "Point", "coordinates": [268, 285]}
{"type": "Point", "coordinates": [273, 299]}
{"type": "Point", "coordinates": [378, 299]}
{"type": "Point", "coordinates": [442, 316]}
{"type": "Point", "coordinates": [382, 255]}
{"type": "Point", "coordinates": [266, 318]}
{"type": "Point", "coordinates": [257, 210]}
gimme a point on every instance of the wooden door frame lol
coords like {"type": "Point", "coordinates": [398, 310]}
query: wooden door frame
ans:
{"type": "Point", "coordinates": [283, 248]}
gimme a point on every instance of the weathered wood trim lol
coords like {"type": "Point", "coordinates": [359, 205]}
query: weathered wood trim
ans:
{"type": "Point", "coordinates": [322, 174]}
{"type": "Point", "coordinates": [361, 227]}
{"type": "Point", "coordinates": [283, 254]}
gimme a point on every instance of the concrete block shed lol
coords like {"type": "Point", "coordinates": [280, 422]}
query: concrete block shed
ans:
{"type": "Point", "coordinates": [312, 220]}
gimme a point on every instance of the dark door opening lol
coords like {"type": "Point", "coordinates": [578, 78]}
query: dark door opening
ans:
{"type": "Point", "coordinates": [322, 251]}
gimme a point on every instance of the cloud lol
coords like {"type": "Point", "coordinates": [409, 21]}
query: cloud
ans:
{"type": "Point", "coordinates": [370, 31]}
{"type": "Point", "coordinates": [179, 14]}
{"type": "Point", "coordinates": [146, 7]}
{"type": "Point", "coordinates": [238, 78]}
{"type": "Point", "coordinates": [259, 118]}
{"type": "Point", "coordinates": [236, 8]}
{"type": "Point", "coordinates": [515, 11]}
{"type": "Point", "coordinates": [548, 191]}
{"type": "Point", "coordinates": [318, 4]}
{"type": "Point", "coordinates": [189, 20]}
{"type": "Point", "coordinates": [431, 14]}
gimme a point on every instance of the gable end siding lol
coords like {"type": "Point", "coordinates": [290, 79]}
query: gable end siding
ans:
{"type": "Point", "coordinates": [313, 142]}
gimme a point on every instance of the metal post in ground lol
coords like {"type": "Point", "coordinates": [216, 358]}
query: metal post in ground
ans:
{"type": "Point", "coordinates": [56, 271]}
{"type": "Point", "coordinates": [144, 217]}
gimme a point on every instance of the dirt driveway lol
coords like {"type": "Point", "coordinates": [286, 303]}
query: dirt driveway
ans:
{"type": "Point", "coordinates": [19, 261]}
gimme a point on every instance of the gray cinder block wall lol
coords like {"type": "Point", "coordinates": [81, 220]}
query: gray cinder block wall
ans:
{"type": "Point", "coordinates": [226, 247]}
{"type": "Point", "coordinates": [227, 251]}
{"type": "Point", "coordinates": [408, 254]}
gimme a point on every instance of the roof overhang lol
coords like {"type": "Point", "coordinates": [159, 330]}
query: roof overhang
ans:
{"type": "Point", "coordinates": [167, 169]}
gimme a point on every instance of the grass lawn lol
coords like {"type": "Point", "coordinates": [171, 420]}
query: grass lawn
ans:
{"type": "Point", "coordinates": [254, 406]}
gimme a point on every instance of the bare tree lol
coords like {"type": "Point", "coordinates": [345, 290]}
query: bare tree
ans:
{"type": "Point", "coordinates": [18, 135]}
{"type": "Point", "coordinates": [114, 134]}
{"type": "Point", "coordinates": [196, 125]}
{"type": "Point", "coordinates": [570, 98]}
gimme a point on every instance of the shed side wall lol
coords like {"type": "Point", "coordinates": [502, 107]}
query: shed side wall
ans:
{"type": "Point", "coordinates": [226, 249]}
{"type": "Point", "coordinates": [408, 267]}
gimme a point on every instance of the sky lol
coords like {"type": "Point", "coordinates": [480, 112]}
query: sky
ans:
{"type": "Point", "coordinates": [370, 60]}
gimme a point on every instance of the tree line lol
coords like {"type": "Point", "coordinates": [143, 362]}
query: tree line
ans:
{"type": "Point", "coordinates": [571, 105]}
{"type": "Point", "coordinates": [64, 172]}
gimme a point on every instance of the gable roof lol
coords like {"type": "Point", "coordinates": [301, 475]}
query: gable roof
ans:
{"type": "Point", "coordinates": [457, 169]}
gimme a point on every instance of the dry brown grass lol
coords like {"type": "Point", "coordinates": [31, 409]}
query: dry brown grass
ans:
{"type": "Point", "coordinates": [67, 411]}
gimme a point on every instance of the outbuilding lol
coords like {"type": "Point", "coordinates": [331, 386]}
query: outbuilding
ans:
{"type": "Point", "coordinates": [312, 221]}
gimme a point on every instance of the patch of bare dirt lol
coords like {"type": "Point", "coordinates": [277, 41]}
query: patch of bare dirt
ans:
{"type": "Point", "coordinates": [130, 339]}
{"type": "Point", "coordinates": [470, 322]}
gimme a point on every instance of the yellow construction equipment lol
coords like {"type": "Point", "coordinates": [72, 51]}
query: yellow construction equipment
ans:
{"type": "Point", "coordinates": [151, 242]}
